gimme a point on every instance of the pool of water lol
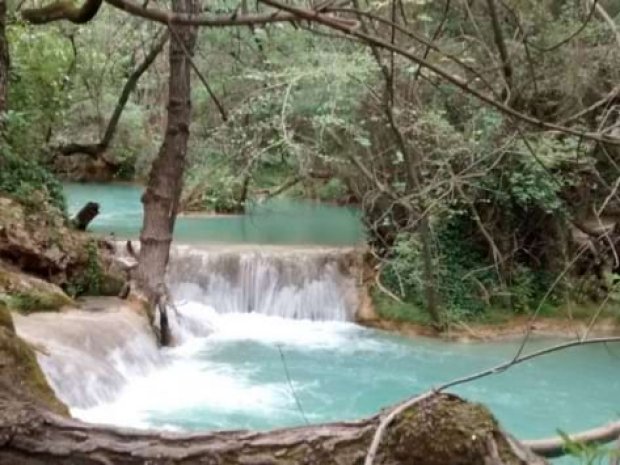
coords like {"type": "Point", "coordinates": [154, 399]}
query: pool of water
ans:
{"type": "Point", "coordinates": [246, 370]}
{"type": "Point", "coordinates": [238, 377]}
{"type": "Point", "coordinates": [278, 221]}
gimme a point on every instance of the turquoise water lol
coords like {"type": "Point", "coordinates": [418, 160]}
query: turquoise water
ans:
{"type": "Point", "coordinates": [278, 221]}
{"type": "Point", "coordinates": [235, 378]}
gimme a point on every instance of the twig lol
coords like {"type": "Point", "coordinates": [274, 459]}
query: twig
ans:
{"type": "Point", "coordinates": [385, 422]}
{"type": "Point", "coordinates": [204, 81]}
{"type": "Point", "coordinates": [446, 75]}
{"type": "Point", "coordinates": [290, 385]}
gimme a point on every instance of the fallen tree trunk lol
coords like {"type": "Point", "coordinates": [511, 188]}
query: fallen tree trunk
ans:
{"type": "Point", "coordinates": [556, 447]}
{"type": "Point", "coordinates": [443, 430]}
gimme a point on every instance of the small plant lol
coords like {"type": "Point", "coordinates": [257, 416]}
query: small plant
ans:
{"type": "Point", "coordinates": [589, 454]}
{"type": "Point", "coordinates": [89, 282]}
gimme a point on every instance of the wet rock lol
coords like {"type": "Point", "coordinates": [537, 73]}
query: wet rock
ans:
{"type": "Point", "coordinates": [26, 293]}
{"type": "Point", "coordinates": [84, 168]}
{"type": "Point", "coordinates": [42, 242]}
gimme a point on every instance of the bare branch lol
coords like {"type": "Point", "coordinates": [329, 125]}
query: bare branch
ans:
{"type": "Point", "coordinates": [63, 9]}
{"type": "Point", "coordinates": [380, 431]}
{"type": "Point", "coordinates": [337, 24]}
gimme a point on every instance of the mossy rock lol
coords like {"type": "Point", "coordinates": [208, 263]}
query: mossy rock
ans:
{"type": "Point", "coordinates": [39, 301]}
{"type": "Point", "coordinates": [20, 373]}
{"type": "Point", "coordinates": [6, 321]}
{"type": "Point", "coordinates": [26, 294]}
{"type": "Point", "coordinates": [445, 429]}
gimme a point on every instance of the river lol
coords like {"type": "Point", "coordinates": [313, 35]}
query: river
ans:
{"type": "Point", "coordinates": [268, 341]}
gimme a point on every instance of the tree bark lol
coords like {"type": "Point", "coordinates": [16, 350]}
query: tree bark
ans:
{"type": "Point", "coordinates": [444, 430]}
{"type": "Point", "coordinates": [4, 62]}
{"type": "Point", "coordinates": [556, 447]}
{"type": "Point", "coordinates": [163, 192]}
{"type": "Point", "coordinates": [500, 43]}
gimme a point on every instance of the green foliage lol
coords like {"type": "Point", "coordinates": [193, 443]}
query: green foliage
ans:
{"type": "Point", "coordinates": [593, 454]}
{"type": "Point", "coordinates": [390, 309]}
{"type": "Point", "coordinates": [212, 186]}
{"type": "Point", "coordinates": [332, 190]}
{"type": "Point", "coordinates": [468, 283]}
{"type": "Point", "coordinates": [28, 181]}
{"type": "Point", "coordinates": [28, 302]}
{"type": "Point", "coordinates": [40, 60]}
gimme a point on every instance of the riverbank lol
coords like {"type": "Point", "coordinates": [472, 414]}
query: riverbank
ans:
{"type": "Point", "coordinates": [514, 328]}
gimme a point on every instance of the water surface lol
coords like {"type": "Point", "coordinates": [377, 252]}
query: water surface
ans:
{"type": "Point", "coordinates": [238, 377]}
{"type": "Point", "coordinates": [278, 221]}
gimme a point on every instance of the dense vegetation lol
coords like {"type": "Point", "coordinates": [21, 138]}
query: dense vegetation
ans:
{"type": "Point", "coordinates": [468, 207]}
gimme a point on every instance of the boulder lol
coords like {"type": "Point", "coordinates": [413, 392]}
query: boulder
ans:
{"type": "Point", "coordinates": [40, 241]}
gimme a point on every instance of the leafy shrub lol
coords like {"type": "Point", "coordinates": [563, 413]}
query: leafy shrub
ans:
{"type": "Point", "coordinates": [212, 186]}
{"type": "Point", "coordinates": [22, 178]}
{"type": "Point", "coordinates": [467, 281]}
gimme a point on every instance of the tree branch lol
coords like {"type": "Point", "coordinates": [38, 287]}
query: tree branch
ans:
{"type": "Point", "coordinates": [166, 17]}
{"type": "Point", "coordinates": [333, 23]}
{"type": "Point", "coordinates": [381, 429]}
{"type": "Point", "coordinates": [95, 150]}
{"type": "Point", "coordinates": [556, 446]}
{"type": "Point", "coordinates": [63, 9]}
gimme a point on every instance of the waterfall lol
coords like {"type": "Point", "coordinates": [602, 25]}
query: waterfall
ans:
{"type": "Point", "coordinates": [96, 355]}
{"type": "Point", "coordinates": [88, 356]}
{"type": "Point", "coordinates": [310, 284]}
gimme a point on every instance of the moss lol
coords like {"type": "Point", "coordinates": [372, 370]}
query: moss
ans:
{"type": "Point", "coordinates": [445, 430]}
{"type": "Point", "coordinates": [390, 309]}
{"type": "Point", "coordinates": [20, 371]}
{"type": "Point", "coordinates": [6, 321]}
{"type": "Point", "coordinates": [38, 301]}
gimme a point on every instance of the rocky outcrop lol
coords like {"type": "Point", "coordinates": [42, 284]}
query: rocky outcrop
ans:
{"type": "Point", "coordinates": [21, 377]}
{"type": "Point", "coordinates": [84, 168]}
{"type": "Point", "coordinates": [27, 293]}
{"type": "Point", "coordinates": [42, 243]}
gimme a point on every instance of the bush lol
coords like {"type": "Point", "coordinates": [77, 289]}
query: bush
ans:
{"type": "Point", "coordinates": [468, 283]}
{"type": "Point", "coordinates": [22, 179]}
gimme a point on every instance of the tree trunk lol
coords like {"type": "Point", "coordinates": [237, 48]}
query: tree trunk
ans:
{"type": "Point", "coordinates": [161, 198]}
{"type": "Point", "coordinates": [500, 43]}
{"type": "Point", "coordinates": [443, 430]}
{"type": "Point", "coordinates": [4, 62]}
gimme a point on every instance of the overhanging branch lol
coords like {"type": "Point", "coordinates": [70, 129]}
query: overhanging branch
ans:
{"type": "Point", "coordinates": [556, 446]}
{"type": "Point", "coordinates": [95, 150]}
{"type": "Point", "coordinates": [337, 24]}
{"type": "Point", "coordinates": [63, 9]}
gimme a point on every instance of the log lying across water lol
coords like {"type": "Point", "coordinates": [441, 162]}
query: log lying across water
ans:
{"type": "Point", "coordinates": [443, 430]}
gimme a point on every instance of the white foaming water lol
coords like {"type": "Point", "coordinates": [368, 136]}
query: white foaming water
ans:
{"type": "Point", "coordinates": [311, 285]}
{"type": "Point", "coordinates": [189, 381]}
{"type": "Point", "coordinates": [186, 383]}
{"type": "Point", "coordinates": [107, 368]}
{"type": "Point", "coordinates": [89, 357]}
{"type": "Point", "coordinates": [195, 317]}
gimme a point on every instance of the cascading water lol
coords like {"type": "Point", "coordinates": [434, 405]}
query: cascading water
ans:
{"type": "Point", "coordinates": [259, 329]}
{"type": "Point", "coordinates": [302, 284]}
{"type": "Point", "coordinates": [89, 356]}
